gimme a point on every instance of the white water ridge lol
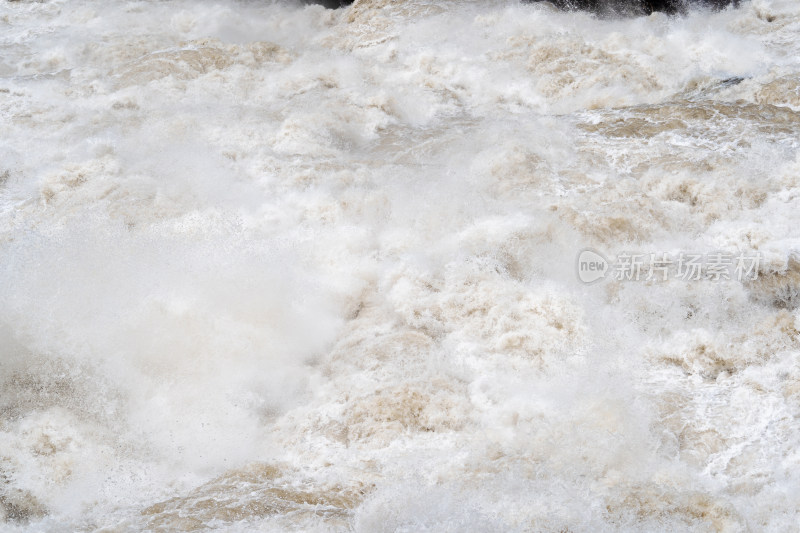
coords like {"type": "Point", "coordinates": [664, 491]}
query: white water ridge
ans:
{"type": "Point", "coordinates": [270, 267]}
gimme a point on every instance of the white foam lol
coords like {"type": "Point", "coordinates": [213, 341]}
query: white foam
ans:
{"type": "Point", "coordinates": [342, 244]}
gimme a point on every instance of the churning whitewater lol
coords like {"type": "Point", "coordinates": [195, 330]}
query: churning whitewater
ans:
{"type": "Point", "coordinates": [266, 266]}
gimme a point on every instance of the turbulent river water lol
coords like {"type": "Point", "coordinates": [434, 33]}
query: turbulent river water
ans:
{"type": "Point", "coordinates": [270, 267]}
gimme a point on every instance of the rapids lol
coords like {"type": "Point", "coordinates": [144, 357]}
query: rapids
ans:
{"type": "Point", "coordinates": [270, 267]}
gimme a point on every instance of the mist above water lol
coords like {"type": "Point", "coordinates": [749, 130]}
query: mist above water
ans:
{"type": "Point", "coordinates": [267, 266]}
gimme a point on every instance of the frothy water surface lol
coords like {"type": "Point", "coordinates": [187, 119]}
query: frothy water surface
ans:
{"type": "Point", "coordinates": [266, 266]}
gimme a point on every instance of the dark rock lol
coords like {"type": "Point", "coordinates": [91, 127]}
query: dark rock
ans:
{"type": "Point", "coordinates": [730, 82]}
{"type": "Point", "coordinates": [639, 6]}
{"type": "Point", "coordinates": [330, 4]}
{"type": "Point", "coordinates": [600, 6]}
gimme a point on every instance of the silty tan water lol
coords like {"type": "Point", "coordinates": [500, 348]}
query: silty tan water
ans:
{"type": "Point", "coordinates": [271, 267]}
